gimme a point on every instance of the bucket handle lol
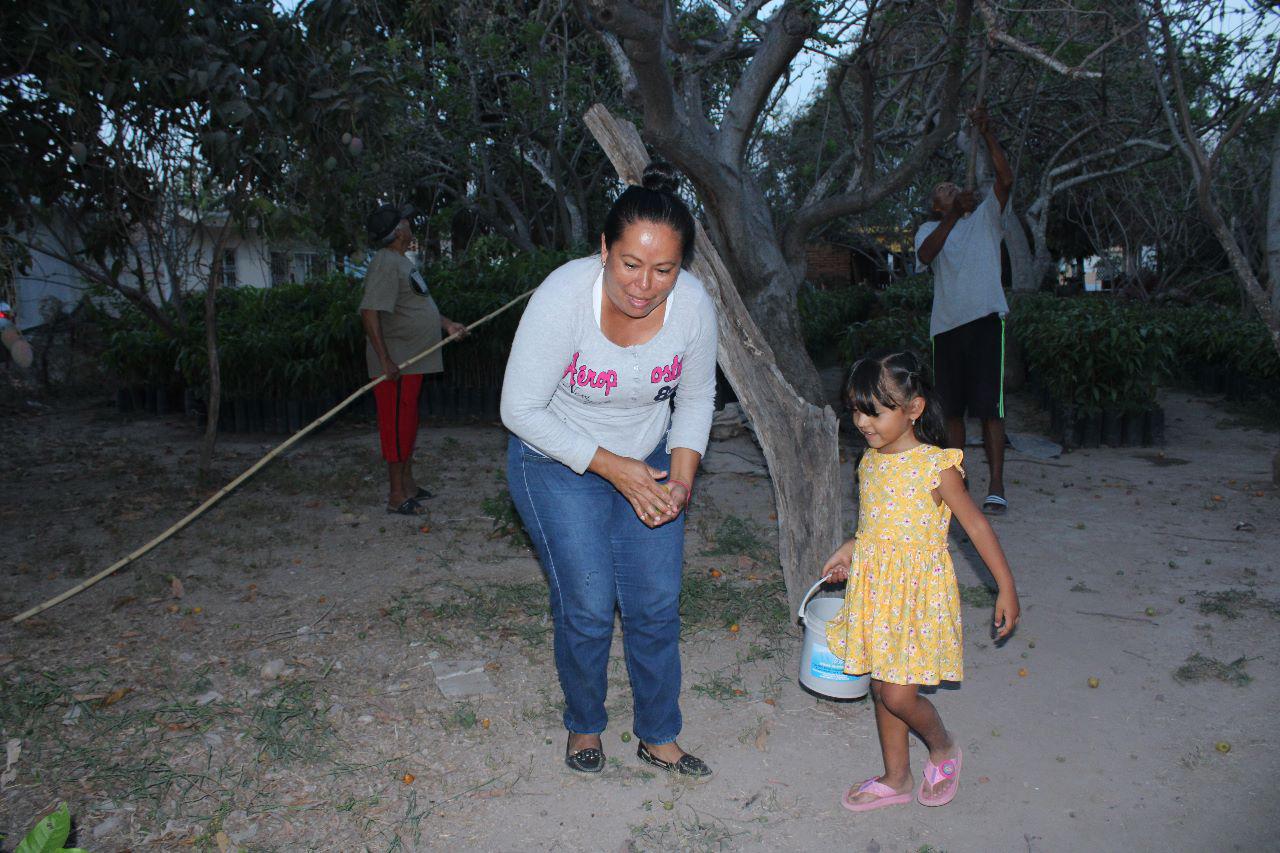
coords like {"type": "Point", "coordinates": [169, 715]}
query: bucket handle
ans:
{"type": "Point", "coordinates": [804, 602]}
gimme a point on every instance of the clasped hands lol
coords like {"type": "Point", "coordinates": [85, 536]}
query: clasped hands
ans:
{"type": "Point", "coordinates": [654, 503]}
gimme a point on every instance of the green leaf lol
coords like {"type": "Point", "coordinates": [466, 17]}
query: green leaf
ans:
{"type": "Point", "coordinates": [49, 834]}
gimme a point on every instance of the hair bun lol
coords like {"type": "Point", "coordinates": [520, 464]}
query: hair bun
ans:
{"type": "Point", "coordinates": [660, 176]}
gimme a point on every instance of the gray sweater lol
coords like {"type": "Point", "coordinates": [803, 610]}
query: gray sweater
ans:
{"type": "Point", "coordinates": [568, 389]}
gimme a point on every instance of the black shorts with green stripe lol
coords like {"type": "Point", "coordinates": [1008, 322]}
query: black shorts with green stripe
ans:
{"type": "Point", "coordinates": [968, 368]}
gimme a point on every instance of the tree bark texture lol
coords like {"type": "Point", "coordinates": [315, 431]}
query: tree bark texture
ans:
{"type": "Point", "coordinates": [214, 404]}
{"type": "Point", "coordinates": [1273, 227]}
{"type": "Point", "coordinates": [764, 257]}
{"type": "Point", "coordinates": [799, 440]}
{"type": "Point", "coordinates": [1015, 241]}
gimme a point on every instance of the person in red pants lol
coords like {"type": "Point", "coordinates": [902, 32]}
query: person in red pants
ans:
{"type": "Point", "coordinates": [400, 320]}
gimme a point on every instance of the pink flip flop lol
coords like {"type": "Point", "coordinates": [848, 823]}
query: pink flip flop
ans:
{"type": "Point", "coordinates": [935, 773]}
{"type": "Point", "coordinates": [885, 796]}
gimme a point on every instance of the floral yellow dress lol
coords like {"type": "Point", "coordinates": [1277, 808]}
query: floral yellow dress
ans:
{"type": "Point", "coordinates": [901, 615]}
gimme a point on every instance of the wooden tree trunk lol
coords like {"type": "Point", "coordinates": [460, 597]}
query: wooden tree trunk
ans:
{"type": "Point", "coordinates": [1021, 269]}
{"type": "Point", "coordinates": [799, 439]}
{"type": "Point", "coordinates": [1042, 261]}
{"type": "Point", "coordinates": [214, 404]}
{"type": "Point", "coordinates": [1273, 227]}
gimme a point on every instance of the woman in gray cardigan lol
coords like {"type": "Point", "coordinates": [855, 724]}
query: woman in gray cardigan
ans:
{"type": "Point", "coordinates": [608, 394]}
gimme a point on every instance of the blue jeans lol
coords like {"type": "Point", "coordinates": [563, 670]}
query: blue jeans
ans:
{"type": "Point", "coordinates": [599, 556]}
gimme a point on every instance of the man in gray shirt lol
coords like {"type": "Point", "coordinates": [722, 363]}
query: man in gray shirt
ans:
{"type": "Point", "coordinates": [961, 245]}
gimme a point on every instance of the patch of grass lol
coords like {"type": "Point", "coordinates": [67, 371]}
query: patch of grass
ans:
{"type": "Point", "coordinates": [1231, 603]}
{"type": "Point", "coordinates": [25, 698]}
{"type": "Point", "coordinates": [1200, 668]}
{"type": "Point", "coordinates": [693, 833]}
{"type": "Point", "coordinates": [707, 602]}
{"type": "Point", "coordinates": [738, 536]}
{"type": "Point", "coordinates": [978, 595]}
{"type": "Point", "coordinates": [506, 520]}
{"type": "Point", "coordinates": [719, 686]}
{"type": "Point", "coordinates": [289, 723]}
{"type": "Point", "coordinates": [339, 475]}
{"type": "Point", "coordinates": [463, 717]}
{"type": "Point", "coordinates": [514, 609]}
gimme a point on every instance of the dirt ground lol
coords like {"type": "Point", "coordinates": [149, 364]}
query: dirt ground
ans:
{"type": "Point", "coordinates": [267, 680]}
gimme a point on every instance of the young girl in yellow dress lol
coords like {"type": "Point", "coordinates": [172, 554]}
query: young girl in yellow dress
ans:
{"type": "Point", "coordinates": [901, 617]}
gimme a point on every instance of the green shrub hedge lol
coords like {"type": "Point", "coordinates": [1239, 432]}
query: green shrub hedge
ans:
{"type": "Point", "coordinates": [304, 340]}
{"type": "Point", "coordinates": [1094, 353]}
{"type": "Point", "coordinates": [826, 314]}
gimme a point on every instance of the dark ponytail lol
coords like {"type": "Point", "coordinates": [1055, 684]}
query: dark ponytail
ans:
{"type": "Point", "coordinates": [890, 380]}
{"type": "Point", "coordinates": [655, 200]}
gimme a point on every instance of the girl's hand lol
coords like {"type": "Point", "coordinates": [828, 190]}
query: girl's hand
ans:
{"type": "Point", "coordinates": [837, 566]}
{"type": "Point", "coordinates": [1006, 613]}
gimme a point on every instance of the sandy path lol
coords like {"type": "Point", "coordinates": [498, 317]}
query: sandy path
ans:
{"type": "Point", "coordinates": [1095, 538]}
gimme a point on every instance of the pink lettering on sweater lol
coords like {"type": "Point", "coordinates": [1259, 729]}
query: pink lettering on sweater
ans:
{"type": "Point", "coordinates": [584, 377]}
{"type": "Point", "coordinates": [667, 373]}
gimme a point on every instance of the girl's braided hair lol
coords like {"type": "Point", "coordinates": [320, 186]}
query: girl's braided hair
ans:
{"type": "Point", "coordinates": [890, 380]}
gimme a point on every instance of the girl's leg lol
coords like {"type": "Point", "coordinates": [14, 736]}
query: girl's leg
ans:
{"type": "Point", "coordinates": [904, 702]}
{"type": "Point", "coordinates": [565, 515]}
{"type": "Point", "coordinates": [893, 746]}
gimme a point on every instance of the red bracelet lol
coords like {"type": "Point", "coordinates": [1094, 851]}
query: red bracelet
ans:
{"type": "Point", "coordinates": [687, 488]}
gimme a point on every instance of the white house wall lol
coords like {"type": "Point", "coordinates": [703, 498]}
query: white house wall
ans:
{"type": "Point", "coordinates": [50, 281]}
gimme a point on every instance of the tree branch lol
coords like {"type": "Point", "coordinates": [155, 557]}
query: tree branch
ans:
{"type": "Point", "coordinates": [784, 36]}
{"type": "Point", "coordinates": [997, 33]}
{"type": "Point", "coordinates": [813, 215]}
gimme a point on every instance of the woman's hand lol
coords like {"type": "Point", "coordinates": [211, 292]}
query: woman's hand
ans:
{"type": "Point", "coordinates": [1006, 613]}
{"type": "Point", "coordinates": [679, 496]}
{"type": "Point", "coordinates": [837, 566]}
{"type": "Point", "coordinates": [653, 502]}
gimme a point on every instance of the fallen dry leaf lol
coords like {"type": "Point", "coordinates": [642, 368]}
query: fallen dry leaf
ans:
{"type": "Point", "coordinates": [762, 736]}
{"type": "Point", "coordinates": [224, 841]}
{"type": "Point", "coordinates": [175, 586]}
{"type": "Point", "coordinates": [115, 696]}
{"type": "Point", "coordinates": [13, 751]}
{"type": "Point", "coordinates": [745, 562]}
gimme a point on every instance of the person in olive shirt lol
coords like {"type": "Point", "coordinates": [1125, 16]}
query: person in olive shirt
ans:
{"type": "Point", "coordinates": [400, 320]}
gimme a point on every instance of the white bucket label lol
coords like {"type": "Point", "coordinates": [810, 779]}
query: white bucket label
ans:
{"type": "Point", "coordinates": [827, 666]}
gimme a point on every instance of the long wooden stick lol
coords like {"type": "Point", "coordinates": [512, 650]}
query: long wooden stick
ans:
{"type": "Point", "coordinates": [971, 176]}
{"type": "Point", "coordinates": [257, 466]}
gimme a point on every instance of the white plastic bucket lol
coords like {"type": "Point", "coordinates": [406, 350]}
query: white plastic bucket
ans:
{"type": "Point", "coordinates": [820, 670]}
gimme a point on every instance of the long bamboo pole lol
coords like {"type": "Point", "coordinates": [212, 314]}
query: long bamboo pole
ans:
{"type": "Point", "coordinates": [971, 175]}
{"type": "Point", "coordinates": [257, 466]}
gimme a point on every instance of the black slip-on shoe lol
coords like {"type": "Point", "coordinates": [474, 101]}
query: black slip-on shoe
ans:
{"type": "Point", "coordinates": [688, 765]}
{"type": "Point", "coordinates": [589, 760]}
